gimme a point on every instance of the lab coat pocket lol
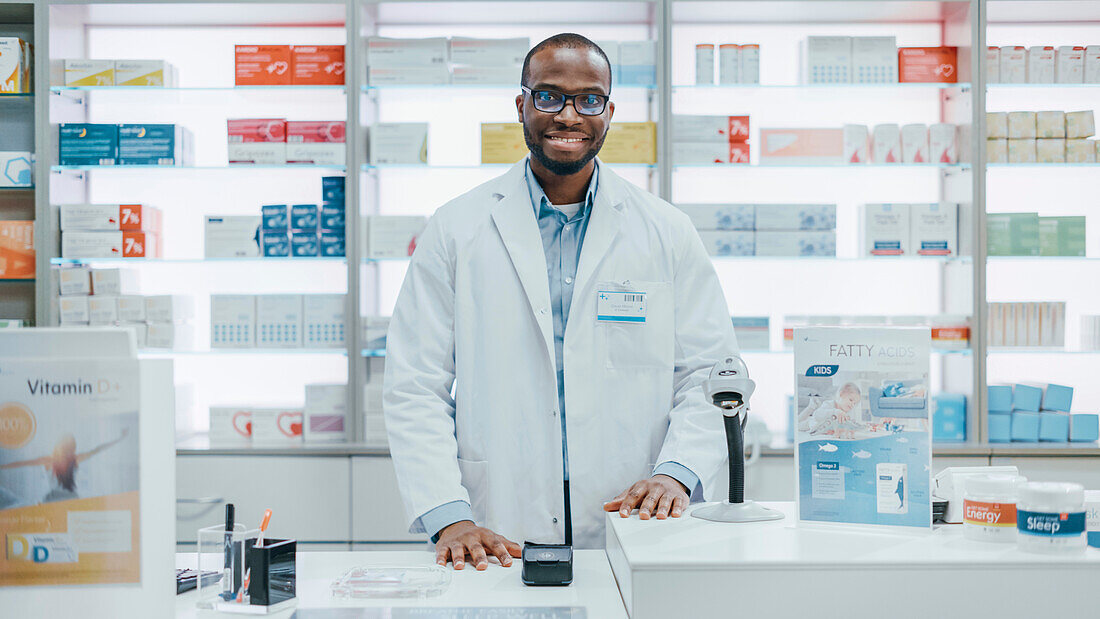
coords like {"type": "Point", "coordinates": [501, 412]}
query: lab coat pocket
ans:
{"type": "Point", "coordinates": [648, 344]}
{"type": "Point", "coordinates": [475, 478]}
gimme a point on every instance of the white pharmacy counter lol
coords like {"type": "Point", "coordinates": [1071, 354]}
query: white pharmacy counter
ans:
{"type": "Point", "coordinates": [688, 567]}
{"type": "Point", "coordinates": [593, 588]}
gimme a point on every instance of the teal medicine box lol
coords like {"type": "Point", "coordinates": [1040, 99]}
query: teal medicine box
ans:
{"type": "Point", "coordinates": [1053, 427]}
{"type": "Point", "coordinates": [1027, 398]}
{"type": "Point", "coordinates": [1000, 427]}
{"type": "Point", "coordinates": [1057, 398]}
{"type": "Point", "coordinates": [1084, 428]}
{"type": "Point", "coordinates": [1025, 427]}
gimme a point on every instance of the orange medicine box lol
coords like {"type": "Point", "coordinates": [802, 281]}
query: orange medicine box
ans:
{"type": "Point", "coordinates": [263, 65]}
{"type": "Point", "coordinates": [928, 64]}
{"type": "Point", "coordinates": [317, 65]}
{"type": "Point", "coordinates": [16, 249]}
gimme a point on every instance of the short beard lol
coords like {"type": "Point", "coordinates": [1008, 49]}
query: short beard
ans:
{"type": "Point", "coordinates": [561, 168]}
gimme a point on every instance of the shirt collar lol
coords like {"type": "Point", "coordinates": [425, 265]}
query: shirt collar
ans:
{"type": "Point", "coordinates": [541, 203]}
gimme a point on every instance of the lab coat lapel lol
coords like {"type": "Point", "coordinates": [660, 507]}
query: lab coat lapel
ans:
{"type": "Point", "coordinates": [515, 220]}
{"type": "Point", "coordinates": [603, 226]}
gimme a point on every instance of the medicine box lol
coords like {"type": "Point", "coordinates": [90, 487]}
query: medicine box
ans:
{"type": "Point", "coordinates": [914, 143]}
{"type": "Point", "coordinates": [122, 244]}
{"type": "Point", "coordinates": [694, 153]}
{"type": "Point", "coordinates": [102, 310]}
{"type": "Point", "coordinates": [826, 60]}
{"type": "Point", "coordinates": [304, 217]}
{"type": "Point", "coordinates": [943, 143]}
{"type": "Point", "coordinates": [114, 282]}
{"type": "Point", "coordinates": [728, 242]}
{"type": "Point", "coordinates": [1025, 427]}
{"type": "Point", "coordinates": [317, 65]}
{"type": "Point", "coordinates": [325, 413]}
{"type": "Point", "coordinates": [316, 142]}
{"type": "Point", "coordinates": [689, 128]}
{"type": "Point", "coordinates": [74, 280]}
{"type": "Point", "coordinates": [169, 308]}
{"type": "Point", "coordinates": [305, 244]}
{"type": "Point", "coordinates": [401, 143]}
{"type": "Point", "coordinates": [232, 321]}
{"type": "Point", "coordinates": [434, 75]}
{"type": "Point", "coordinates": [1069, 67]}
{"type": "Point", "coordinates": [753, 332]}
{"type": "Point", "coordinates": [1040, 65]}
{"type": "Point", "coordinates": [993, 65]}
{"type": "Point", "coordinates": [886, 230]}
{"type": "Point", "coordinates": [131, 308]}
{"type": "Point", "coordinates": [721, 216]}
{"type": "Point", "coordinates": [258, 141]}
{"type": "Point", "coordinates": [276, 426]}
{"type": "Point", "coordinates": [1027, 398]}
{"type": "Point", "coordinates": [796, 243]}
{"type": "Point", "coordinates": [157, 73]}
{"type": "Point", "coordinates": [996, 125]}
{"type": "Point", "coordinates": [375, 329]}
{"type": "Point", "coordinates": [169, 336]}
{"type": "Point", "coordinates": [392, 236]}
{"type": "Point", "coordinates": [331, 244]}
{"type": "Point", "coordinates": [73, 309]}
{"type": "Point", "coordinates": [1057, 398]}
{"type": "Point", "coordinates": [1053, 427]}
{"type": "Point", "coordinates": [857, 144]}
{"type": "Point", "coordinates": [77, 217]}
{"type": "Point", "coordinates": [886, 144]}
{"type": "Point", "coordinates": [332, 217]}
{"type": "Point", "coordinates": [801, 146]}
{"type": "Point", "coordinates": [1022, 125]}
{"type": "Point", "coordinates": [795, 217]}
{"type": "Point", "coordinates": [274, 217]}
{"type": "Point", "coordinates": [949, 418]}
{"type": "Point", "coordinates": [1050, 125]}
{"type": "Point", "coordinates": [393, 52]}
{"type": "Point", "coordinates": [503, 142]}
{"type": "Point", "coordinates": [996, 151]}
{"type": "Point", "coordinates": [17, 255]}
{"type": "Point", "coordinates": [83, 72]}
{"type": "Point", "coordinates": [278, 321]}
{"type": "Point", "coordinates": [638, 63]}
{"type": "Point", "coordinates": [728, 59]}
{"type": "Point", "coordinates": [928, 64]}
{"type": "Point", "coordinates": [486, 75]}
{"type": "Point", "coordinates": [230, 426]}
{"type": "Point", "coordinates": [1080, 124]}
{"type": "Point", "coordinates": [1013, 66]}
{"type": "Point", "coordinates": [153, 145]}
{"type": "Point", "coordinates": [262, 65]}
{"type": "Point", "coordinates": [1084, 427]}
{"type": "Point", "coordinates": [1012, 234]}
{"type": "Point", "coordinates": [16, 168]}
{"type": "Point", "coordinates": [1050, 151]}
{"type": "Point", "coordinates": [232, 236]}
{"type": "Point", "coordinates": [1022, 151]}
{"type": "Point", "coordinates": [1000, 427]}
{"type": "Point", "coordinates": [934, 229]}
{"type": "Point", "coordinates": [87, 144]}
{"type": "Point", "coordinates": [874, 60]}
{"type": "Point", "coordinates": [1062, 236]}
{"type": "Point", "coordinates": [15, 65]}
{"type": "Point", "coordinates": [1000, 398]}
{"type": "Point", "coordinates": [332, 189]}
{"type": "Point", "coordinates": [1092, 64]}
{"type": "Point", "coordinates": [323, 322]}
{"type": "Point", "coordinates": [1081, 151]}
{"type": "Point", "coordinates": [750, 63]}
{"type": "Point", "coordinates": [489, 52]}
{"type": "Point", "coordinates": [275, 243]}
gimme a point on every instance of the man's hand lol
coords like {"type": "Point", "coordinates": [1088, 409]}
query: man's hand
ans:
{"type": "Point", "coordinates": [660, 492]}
{"type": "Point", "coordinates": [466, 538]}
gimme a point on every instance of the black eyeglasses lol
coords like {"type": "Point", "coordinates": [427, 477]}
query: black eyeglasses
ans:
{"type": "Point", "coordinates": [552, 101]}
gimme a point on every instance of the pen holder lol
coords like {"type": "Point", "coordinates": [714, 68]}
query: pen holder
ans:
{"type": "Point", "coordinates": [222, 552]}
{"type": "Point", "coordinates": [273, 577]}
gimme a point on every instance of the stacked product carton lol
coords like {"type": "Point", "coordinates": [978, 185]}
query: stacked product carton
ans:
{"type": "Point", "coordinates": [765, 229]}
{"type": "Point", "coordinates": [1041, 137]}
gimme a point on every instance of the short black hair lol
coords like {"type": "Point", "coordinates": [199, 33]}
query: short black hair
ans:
{"type": "Point", "coordinates": [569, 40]}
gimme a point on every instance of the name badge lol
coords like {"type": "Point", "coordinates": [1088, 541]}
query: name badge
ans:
{"type": "Point", "coordinates": [617, 306]}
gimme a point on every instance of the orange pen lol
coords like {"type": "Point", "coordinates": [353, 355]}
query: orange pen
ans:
{"type": "Point", "coordinates": [263, 528]}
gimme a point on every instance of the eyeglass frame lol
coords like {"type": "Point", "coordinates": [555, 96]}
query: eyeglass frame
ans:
{"type": "Point", "coordinates": [568, 99]}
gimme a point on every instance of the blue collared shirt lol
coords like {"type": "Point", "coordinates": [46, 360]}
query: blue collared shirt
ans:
{"type": "Point", "coordinates": [562, 238]}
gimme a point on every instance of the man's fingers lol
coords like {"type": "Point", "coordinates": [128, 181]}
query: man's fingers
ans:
{"type": "Point", "coordinates": [650, 503]}
{"type": "Point", "coordinates": [501, 552]}
{"type": "Point", "coordinates": [664, 506]}
{"type": "Point", "coordinates": [678, 504]}
{"type": "Point", "coordinates": [477, 556]}
{"type": "Point", "coordinates": [616, 502]}
{"type": "Point", "coordinates": [513, 548]}
{"type": "Point", "coordinates": [441, 555]}
{"type": "Point", "coordinates": [458, 555]}
{"type": "Point", "coordinates": [632, 499]}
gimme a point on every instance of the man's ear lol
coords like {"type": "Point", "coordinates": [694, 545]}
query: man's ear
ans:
{"type": "Point", "coordinates": [519, 107]}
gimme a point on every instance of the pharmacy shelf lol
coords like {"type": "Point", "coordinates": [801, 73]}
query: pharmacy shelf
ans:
{"type": "Point", "coordinates": [231, 352]}
{"type": "Point", "coordinates": [181, 168]}
{"type": "Point", "coordinates": [1036, 350]}
{"type": "Point", "coordinates": [184, 89]}
{"type": "Point", "coordinates": [845, 166]}
{"type": "Point", "coordinates": [905, 87]}
{"type": "Point", "coordinates": [193, 261]}
{"type": "Point", "coordinates": [999, 86]}
{"type": "Point", "coordinates": [1041, 166]}
{"type": "Point", "coordinates": [366, 167]}
{"type": "Point", "coordinates": [1051, 259]}
{"type": "Point", "coordinates": [848, 259]}
{"type": "Point", "coordinates": [483, 87]}
{"type": "Point", "coordinates": [373, 353]}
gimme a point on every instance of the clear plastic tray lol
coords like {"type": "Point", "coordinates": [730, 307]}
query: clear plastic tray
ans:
{"type": "Point", "coordinates": [392, 582]}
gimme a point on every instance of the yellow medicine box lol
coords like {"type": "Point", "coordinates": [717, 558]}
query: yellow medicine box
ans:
{"type": "Point", "coordinates": [502, 143]}
{"type": "Point", "coordinates": [630, 143]}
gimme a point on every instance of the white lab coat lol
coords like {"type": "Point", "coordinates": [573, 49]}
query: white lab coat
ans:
{"type": "Point", "coordinates": [474, 312]}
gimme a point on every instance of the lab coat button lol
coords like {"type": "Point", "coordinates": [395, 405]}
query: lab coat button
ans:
{"type": "Point", "coordinates": [555, 521]}
{"type": "Point", "coordinates": [569, 280]}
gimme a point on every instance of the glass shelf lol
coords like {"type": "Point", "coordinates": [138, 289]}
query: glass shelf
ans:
{"type": "Point", "coordinates": [151, 352]}
{"type": "Point", "coordinates": [904, 86]}
{"type": "Point", "coordinates": [1085, 259]}
{"type": "Point", "coordinates": [999, 86]}
{"type": "Point", "coordinates": [197, 261]}
{"type": "Point", "coordinates": [475, 166]}
{"type": "Point", "coordinates": [1049, 166]}
{"type": "Point", "coordinates": [31, 188]}
{"type": "Point", "coordinates": [859, 259]}
{"type": "Point", "coordinates": [248, 89]}
{"type": "Point", "coordinates": [396, 87]}
{"type": "Point", "coordinates": [374, 353]}
{"type": "Point", "coordinates": [385, 260]}
{"type": "Point", "coordinates": [1038, 350]}
{"type": "Point", "coordinates": [16, 280]}
{"type": "Point", "coordinates": [962, 352]}
{"type": "Point", "coordinates": [16, 95]}
{"type": "Point", "coordinates": [848, 166]}
{"type": "Point", "coordinates": [130, 168]}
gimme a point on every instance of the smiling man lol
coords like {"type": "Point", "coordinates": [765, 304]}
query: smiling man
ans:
{"type": "Point", "coordinates": [549, 343]}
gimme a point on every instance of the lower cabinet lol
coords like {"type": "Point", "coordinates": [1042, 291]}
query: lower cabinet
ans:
{"type": "Point", "coordinates": [378, 515]}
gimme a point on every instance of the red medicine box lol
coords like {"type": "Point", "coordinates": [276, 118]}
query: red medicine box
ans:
{"type": "Point", "coordinates": [317, 65]}
{"type": "Point", "coordinates": [263, 65]}
{"type": "Point", "coordinates": [928, 64]}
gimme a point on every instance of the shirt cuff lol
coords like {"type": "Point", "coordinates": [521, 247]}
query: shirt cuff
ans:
{"type": "Point", "coordinates": [680, 473]}
{"type": "Point", "coordinates": [445, 515]}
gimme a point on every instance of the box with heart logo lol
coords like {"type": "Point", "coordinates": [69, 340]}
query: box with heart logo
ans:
{"type": "Point", "coordinates": [317, 65]}
{"type": "Point", "coordinates": [928, 64]}
{"type": "Point", "coordinates": [263, 65]}
{"type": "Point", "coordinates": [277, 426]}
{"type": "Point", "coordinates": [230, 426]}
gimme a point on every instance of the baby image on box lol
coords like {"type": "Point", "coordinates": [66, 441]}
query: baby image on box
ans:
{"type": "Point", "coordinates": [850, 407]}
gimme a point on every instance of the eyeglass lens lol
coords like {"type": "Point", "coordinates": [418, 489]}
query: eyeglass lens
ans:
{"type": "Point", "coordinates": [552, 101]}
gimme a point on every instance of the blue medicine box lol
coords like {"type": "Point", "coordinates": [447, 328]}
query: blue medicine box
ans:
{"type": "Point", "coordinates": [1053, 427]}
{"type": "Point", "coordinates": [304, 217]}
{"type": "Point", "coordinates": [87, 144]}
{"type": "Point", "coordinates": [304, 245]}
{"type": "Point", "coordinates": [1027, 398]}
{"type": "Point", "coordinates": [949, 418]}
{"type": "Point", "coordinates": [1084, 428]}
{"type": "Point", "coordinates": [276, 217]}
{"type": "Point", "coordinates": [332, 217]}
{"type": "Point", "coordinates": [1000, 427]}
{"type": "Point", "coordinates": [1057, 398]}
{"type": "Point", "coordinates": [1025, 427]}
{"type": "Point", "coordinates": [1000, 398]}
{"type": "Point", "coordinates": [332, 244]}
{"type": "Point", "coordinates": [332, 189]}
{"type": "Point", "coordinates": [638, 74]}
{"type": "Point", "coordinates": [150, 145]}
{"type": "Point", "coordinates": [276, 244]}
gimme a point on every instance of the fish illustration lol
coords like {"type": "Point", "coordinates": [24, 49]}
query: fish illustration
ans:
{"type": "Point", "coordinates": [862, 453]}
{"type": "Point", "coordinates": [902, 439]}
{"type": "Point", "coordinates": [827, 447]}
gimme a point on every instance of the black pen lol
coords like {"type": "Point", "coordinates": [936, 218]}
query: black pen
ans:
{"type": "Point", "coordinates": [229, 524]}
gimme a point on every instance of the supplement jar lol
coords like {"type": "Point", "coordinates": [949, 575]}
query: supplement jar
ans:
{"type": "Point", "coordinates": [1050, 517]}
{"type": "Point", "coordinates": [989, 507]}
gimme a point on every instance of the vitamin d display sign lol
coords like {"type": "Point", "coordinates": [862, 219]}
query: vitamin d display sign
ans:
{"type": "Point", "coordinates": [69, 477]}
{"type": "Point", "coordinates": [863, 445]}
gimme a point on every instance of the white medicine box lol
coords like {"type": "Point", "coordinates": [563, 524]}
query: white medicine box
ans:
{"type": "Point", "coordinates": [277, 426]}
{"type": "Point", "coordinates": [874, 60]}
{"type": "Point", "coordinates": [114, 281]}
{"type": "Point", "coordinates": [325, 413]}
{"type": "Point", "coordinates": [392, 236]}
{"type": "Point", "coordinates": [102, 310]}
{"type": "Point", "coordinates": [826, 60]}
{"type": "Point", "coordinates": [323, 320]}
{"type": "Point", "coordinates": [230, 426]}
{"type": "Point", "coordinates": [232, 321]}
{"type": "Point", "coordinates": [886, 230]}
{"type": "Point", "coordinates": [1013, 64]}
{"type": "Point", "coordinates": [232, 236]}
{"type": "Point", "coordinates": [74, 280]}
{"type": "Point", "coordinates": [934, 229]}
{"type": "Point", "coordinates": [169, 308]}
{"type": "Point", "coordinates": [398, 143]}
{"type": "Point", "coordinates": [279, 321]}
